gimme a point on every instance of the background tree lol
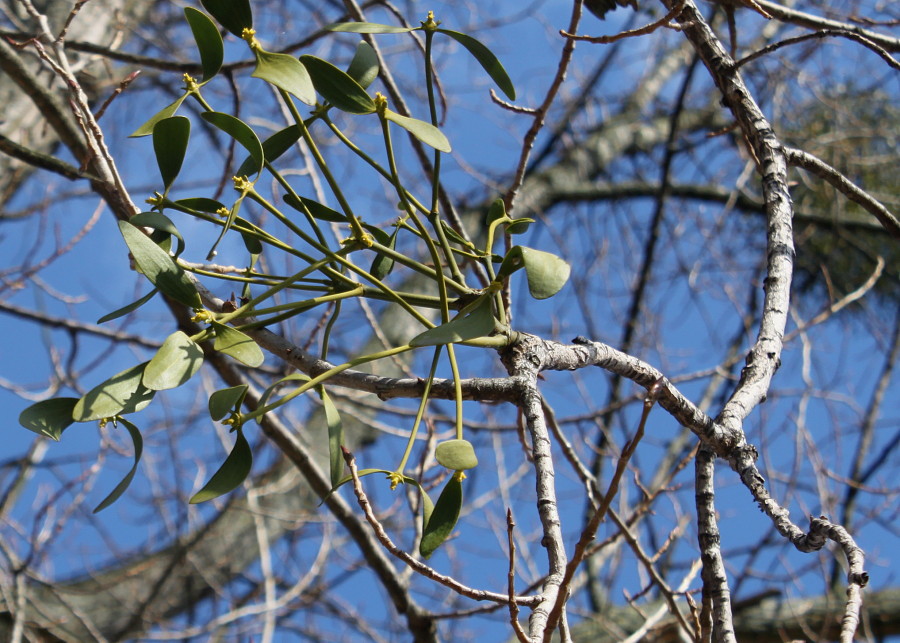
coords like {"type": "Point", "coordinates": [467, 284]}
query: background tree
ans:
{"type": "Point", "coordinates": [653, 165]}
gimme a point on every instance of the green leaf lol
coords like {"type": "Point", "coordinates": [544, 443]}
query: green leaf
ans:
{"type": "Point", "coordinates": [519, 226]}
{"type": "Point", "coordinates": [159, 267]}
{"type": "Point", "coordinates": [285, 72]}
{"type": "Point", "coordinates": [546, 272]}
{"type": "Point", "coordinates": [496, 211]}
{"type": "Point", "coordinates": [382, 264]}
{"type": "Point", "coordinates": [443, 517]}
{"type": "Point", "coordinates": [209, 42]}
{"type": "Point", "coordinates": [201, 204]}
{"type": "Point", "coordinates": [122, 393]}
{"type": "Point", "coordinates": [158, 221]}
{"type": "Point", "coordinates": [231, 474]}
{"type": "Point", "coordinates": [457, 455]}
{"type": "Point", "coordinates": [486, 59]}
{"type": "Point", "coordinates": [174, 364]}
{"type": "Point", "coordinates": [166, 112]}
{"type": "Point", "coordinates": [425, 132]}
{"type": "Point", "coordinates": [316, 209]}
{"type": "Point", "coordinates": [478, 323]}
{"type": "Point", "coordinates": [170, 141]}
{"type": "Point", "coordinates": [338, 87]}
{"type": "Point", "coordinates": [234, 15]}
{"type": "Point", "coordinates": [369, 27]}
{"type": "Point", "coordinates": [223, 402]}
{"type": "Point", "coordinates": [138, 451]}
{"type": "Point", "coordinates": [49, 417]}
{"type": "Point", "coordinates": [335, 438]}
{"type": "Point", "coordinates": [233, 342]}
{"type": "Point", "coordinates": [242, 133]}
{"type": "Point", "coordinates": [273, 147]}
{"type": "Point", "coordinates": [121, 312]}
{"type": "Point", "coordinates": [364, 66]}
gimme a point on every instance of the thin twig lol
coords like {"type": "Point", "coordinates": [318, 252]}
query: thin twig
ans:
{"type": "Point", "coordinates": [511, 580]}
{"type": "Point", "coordinates": [631, 33]}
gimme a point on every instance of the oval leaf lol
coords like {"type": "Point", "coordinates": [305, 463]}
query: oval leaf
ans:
{"type": "Point", "coordinates": [138, 451]}
{"type": "Point", "coordinates": [443, 517]}
{"type": "Point", "coordinates": [159, 267]}
{"type": "Point", "coordinates": [458, 455]}
{"type": "Point", "coordinates": [369, 27]}
{"type": "Point", "coordinates": [223, 402]}
{"type": "Point", "coordinates": [158, 221]}
{"type": "Point", "coordinates": [425, 132]}
{"type": "Point", "coordinates": [231, 474]}
{"type": "Point", "coordinates": [546, 272]}
{"type": "Point", "coordinates": [233, 342]}
{"type": "Point", "coordinates": [170, 141]}
{"type": "Point", "coordinates": [120, 394]}
{"type": "Point", "coordinates": [201, 204]}
{"type": "Point", "coordinates": [49, 417]}
{"type": "Point", "coordinates": [174, 363]}
{"type": "Point", "coordinates": [364, 66]}
{"type": "Point", "coordinates": [242, 133]}
{"type": "Point", "coordinates": [338, 87]}
{"type": "Point", "coordinates": [234, 15]}
{"type": "Point", "coordinates": [287, 73]}
{"type": "Point", "coordinates": [209, 42]}
{"type": "Point", "coordinates": [166, 112]}
{"type": "Point", "coordinates": [478, 323]}
{"type": "Point", "coordinates": [486, 59]}
{"type": "Point", "coordinates": [382, 264]}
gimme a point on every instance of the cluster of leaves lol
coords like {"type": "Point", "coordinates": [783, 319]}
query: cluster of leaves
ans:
{"type": "Point", "coordinates": [470, 315]}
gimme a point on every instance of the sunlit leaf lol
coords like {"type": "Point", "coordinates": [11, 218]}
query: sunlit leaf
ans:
{"type": "Point", "coordinates": [121, 312]}
{"type": "Point", "coordinates": [177, 360]}
{"type": "Point", "coordinates": [457, 455]}
{"type": "Point", "coordinates": [478, 323]}
{"type": "Point", "coordinates": [364, 66]}
{"type": "Point", "coordinates": [287, 73]}
{"type": "Point", "coordinates": [335, 438]}
{"type": "Point", "coordinates": [231, 474]}
{"type": "Point", "coordinates": [486, 59]}
{"type": "Point", "coordinates": [546, 272]}
{"type": "Point", "coordinates": [223, 402]}
{"type": "Point", "coordinates": [147, 128]}
{"type": "Point", "coordinates": [443, 517]}
{"type": "Point", "coordinates": [338, 87]}
{"type": "Point", "coordinates": [49, 417]}
{"type": "Point", "coordinates": [233, 342]}
{"type": "Point", "coordinates": [234, 15]}
{"type": "Point", "coordinates": [369, 27]}
{"type": "Point", "coordinates": [120, 394]}
{"type": "Point", "coordinates": [159, 267]}
{"type": "Point", "coordinates": [316, 209]}
{"type": "Point", "coordinates": [425, 132]}
{"type": "Point", "coordinates": [242, 133]}
{"type": "Point", "coordinates": [209, 42]}
{"type": "Point", "coordinates": [138, 451]}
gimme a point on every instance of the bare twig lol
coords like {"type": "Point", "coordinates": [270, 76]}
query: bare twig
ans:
{"type": "Point", "coordinates": [631, 33]}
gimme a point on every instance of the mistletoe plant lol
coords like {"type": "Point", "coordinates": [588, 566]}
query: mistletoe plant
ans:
{"type": "Point", "coordinates": [469, 315]}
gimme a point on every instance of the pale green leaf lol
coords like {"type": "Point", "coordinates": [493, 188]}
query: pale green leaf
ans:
{"type": "Point", "coordinates": [236, 344]}
{"type": "Point", "coordinates": [443, 517]}
{"type": "Point", "coordinates": [478, 323]}
{"type": "Point", "coordinates": [364, 66]}
{"type": "Point", "coordinates": [457, 455]}
{"type": "Point", "coordinates": [147, 128]}
{"type": "Point", "coordinates": [121, 312]}
{"type": "Point", "coordinates": [159, 267]}
{"type": "Point", "coordinates": [287, 73]}
{"type": "Point", "coordinates": [177, 360]}
{"type": "Point", "coordinates": [120, 394]}
{"type": "Point", "coordinates": [425, 132]}
{"type": "Point", "coordinates": [49, 417]}
{"type": "Point", "coordinates": [223, 402]}
{"type": "Point", "coordinates": [369, 27]}
{"type": "Point", "coordinates": [335, 438]}
{"type": "Point", "coordinates": [337, 86]}
{"type": "Point", "coordinates": [486, 59]}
